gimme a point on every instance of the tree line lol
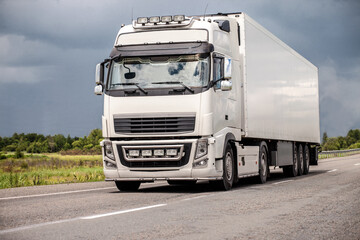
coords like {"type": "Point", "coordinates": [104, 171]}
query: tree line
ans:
{"type": "Point", "coordinates": [350, 141]}
{"type": "Point", "coordinates": [38, 143]}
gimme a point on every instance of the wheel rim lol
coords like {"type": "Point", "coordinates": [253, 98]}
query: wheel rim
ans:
{"type": "Point", "coordinates": [263, 166]}
{"type": "Point", "coordinates": [307, 158]}
{"type": "Point", "coordinates": [295, 159]}
{"type": "Point", "coordinates": [301, 158]}
{"type": "Point", "coordinates": [228, 167]}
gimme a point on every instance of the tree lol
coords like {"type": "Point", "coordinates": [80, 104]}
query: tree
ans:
{"type": "Point", "coordinates": [331, 144]}
{"type": "Point", "coordinates": [324, 138]}
{"type": "Point", "coordinates": [60, 141]}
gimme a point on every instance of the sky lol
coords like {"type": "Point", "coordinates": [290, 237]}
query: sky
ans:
{"type": "Point", "coordinates": [49, 49]}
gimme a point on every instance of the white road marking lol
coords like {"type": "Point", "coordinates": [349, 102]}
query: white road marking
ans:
{"type": "Point", "coordinates": [57, 193]}
{"type": "Point", "coordinates": [121, 212]}
{"type": "Point", "coordinates": [11, 230]}
{"type": "Point", "coordinates": [202, 196]}
{"type": "Point", "coordinates": [286, 181]}
{"type": "Point", "coordinates": [334, 170]}
{"type": "Point", "coordinates": [357, 164]}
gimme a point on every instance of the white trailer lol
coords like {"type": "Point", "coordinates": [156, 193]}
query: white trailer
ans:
{"type": "Point", "coordinates": [215, 97]}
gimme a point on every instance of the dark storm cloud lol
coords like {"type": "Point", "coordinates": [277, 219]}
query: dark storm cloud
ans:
{"type": "Point", "coordinates": [48, 51]}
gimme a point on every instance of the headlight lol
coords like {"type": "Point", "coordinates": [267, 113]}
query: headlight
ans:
{"type": "Point", "coordinates": [109, 150]}
{"type": "Point", "coordinates": [201, 148]}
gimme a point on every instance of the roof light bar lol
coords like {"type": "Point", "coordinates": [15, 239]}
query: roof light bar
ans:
{"type": "Point", "coordinates": [155, 19]}
{"type": "Point", "coordinates": [162, 21]}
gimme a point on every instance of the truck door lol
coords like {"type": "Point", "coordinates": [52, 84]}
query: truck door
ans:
{"type": "Point", "coordinates": [225, 102]}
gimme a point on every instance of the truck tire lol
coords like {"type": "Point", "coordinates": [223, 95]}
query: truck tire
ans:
{"type": "Point", "coordinates": [306, 160]}
{"type": "Point", "coordinates": [182, 182]}
{"type": "Point", "coordinates": [300, 160]}
{"type": "Point", "coordinates": [228, 171]}
{"type": "Point", "coordinates": [263, 164]}
{"type": "Point", "coordinates": [292, 170]}
{"type": "Point", "coordinates": [127, 186]}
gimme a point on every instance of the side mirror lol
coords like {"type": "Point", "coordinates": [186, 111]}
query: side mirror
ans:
{"type": "Point", "coordinates": [227, 68]}
{"type": "Point", "coordinates": [226, 85]}
{"type": "Point", "coordinates": [98, 70]}
{"type": "Point", "coordinates": [98, 90]}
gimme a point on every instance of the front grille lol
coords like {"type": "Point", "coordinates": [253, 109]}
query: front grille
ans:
{"type": "Point", "coordinates": [153, 163]}
{"type": "Point", "coordinates": [148, 125]}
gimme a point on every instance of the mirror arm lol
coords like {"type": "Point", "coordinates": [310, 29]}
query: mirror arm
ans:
{"type": "Point", "coordinates": [212, 83]}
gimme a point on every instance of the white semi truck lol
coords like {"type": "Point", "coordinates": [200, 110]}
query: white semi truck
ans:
{"type": "Point", "coordinates": [214, 97]}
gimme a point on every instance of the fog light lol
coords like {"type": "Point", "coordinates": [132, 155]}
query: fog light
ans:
{"type": "Point", "coordinates": [134, 153]}
{"type": "Point", "coordinates": [110, 165]}
{"type": "Point", "coordinates": [201, 163]}
{"type": "Point", "coordinates": [159, 152]}
{"type": "Point", "coordinates": [171, 152]}
{"type": "Point", "coordinates": [146, 153]}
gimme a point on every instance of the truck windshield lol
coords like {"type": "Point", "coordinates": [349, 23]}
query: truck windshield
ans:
{"type": "Point", "coordinates": [161, 71]}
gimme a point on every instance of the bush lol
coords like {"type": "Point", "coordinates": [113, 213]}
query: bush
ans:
{"type": "Point", "coordinates": [18, 153]}
{"type": "Point", "coordinates": [354, 146]}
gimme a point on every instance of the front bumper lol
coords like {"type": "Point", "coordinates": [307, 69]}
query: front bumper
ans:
{"type": "Point", "coordinates": [185, 169]}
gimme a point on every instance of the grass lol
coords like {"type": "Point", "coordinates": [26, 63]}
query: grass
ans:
{"type": "Point", "coordinates": [52, 168]}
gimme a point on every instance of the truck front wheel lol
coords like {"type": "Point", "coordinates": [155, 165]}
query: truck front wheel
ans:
{"type": "Point", "coordinates": [228, 171]}
{"type": "Point", "coordinates": [127, 186]}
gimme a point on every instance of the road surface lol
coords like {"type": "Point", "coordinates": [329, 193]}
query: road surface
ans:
{"type": "Point", "coordinates": [322, 205]}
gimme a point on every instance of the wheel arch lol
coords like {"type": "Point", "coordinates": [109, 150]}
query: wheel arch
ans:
{"type": "Point", "coordinates": [230, 138]}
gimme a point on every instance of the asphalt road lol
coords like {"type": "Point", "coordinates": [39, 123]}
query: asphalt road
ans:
{"type": "Point", "coordinates": [322, 205]}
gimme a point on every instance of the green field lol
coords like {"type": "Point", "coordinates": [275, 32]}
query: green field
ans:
{"type": "Point", "coordinates": [49, 168]}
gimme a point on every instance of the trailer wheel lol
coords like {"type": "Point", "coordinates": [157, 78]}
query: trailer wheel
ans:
{"type": "Point", "coordinates": [300, 160]}
{"type": "Point", "coordinates": [228, 171]}
{"type": "Point", "coordinates": [292, 171]}
{"type": "Point", "coordinates": [127, 186]}
{"type": "Point", "coordinates": [306, 160]}
{"type": "Point", "coordinates": [263, 164]}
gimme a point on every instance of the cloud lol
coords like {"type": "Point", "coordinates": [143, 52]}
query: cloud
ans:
{"type": "Point", "coordinates": [339, 99]}
{"type": "Point", "coordinates": [49, 49]}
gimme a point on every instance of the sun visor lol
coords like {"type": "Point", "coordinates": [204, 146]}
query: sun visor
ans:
{"type": "Point", "coordinates": [162, 49]}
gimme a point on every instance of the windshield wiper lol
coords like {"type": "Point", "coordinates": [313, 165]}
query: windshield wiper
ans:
{"type": "Point", "coordinates": [131, 84]}
{"type": "Point", "coordinates": [174, 82]}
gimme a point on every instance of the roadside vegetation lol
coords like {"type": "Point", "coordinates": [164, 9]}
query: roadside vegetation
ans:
{"type": "Point", "coordinates": [33, 159]}
{"type": "Point", "coordinates": [350, 142]}
{"type": "Point", "coordinates": [49, 168]}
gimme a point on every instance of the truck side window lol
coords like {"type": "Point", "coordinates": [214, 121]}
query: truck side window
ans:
{"type": "Point", "coordinates": [218, 72]}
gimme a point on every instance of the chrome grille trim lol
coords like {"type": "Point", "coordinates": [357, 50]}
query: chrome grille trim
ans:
{"type": "Point", "coordinates": [149, 125]}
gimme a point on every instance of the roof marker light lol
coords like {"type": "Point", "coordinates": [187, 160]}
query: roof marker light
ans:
{"type": "Point", "coordinates": [142, 20]}
{"type": "Point", "coordinates": [179, 18]}
{"type": "Point", "coordinates": [166, 19]}
{"type": "Point", "coordinates": [155, 19]}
